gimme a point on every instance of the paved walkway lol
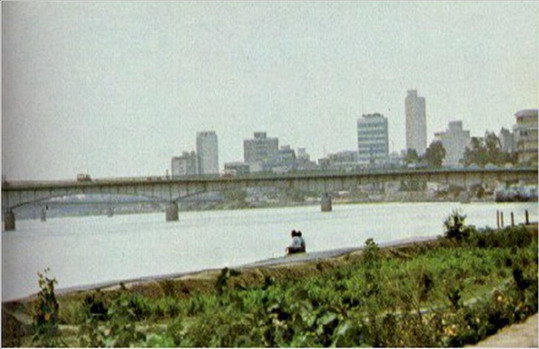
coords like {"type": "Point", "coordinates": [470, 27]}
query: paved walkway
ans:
{"type": "Point", "coordinates": [320, 255]}
{"type": "Point", "coordinates": [296, 258]}
{"type": "Point", "coordinates": [522, 335]}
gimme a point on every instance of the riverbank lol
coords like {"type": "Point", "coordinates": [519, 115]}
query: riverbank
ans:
{"type": "Point", "coordinates": [331, 279]}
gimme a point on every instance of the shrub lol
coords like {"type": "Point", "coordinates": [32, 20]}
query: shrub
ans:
{"type": "Point", "coordinates": [46, 313]}
{"type": "Point", "coordinates": [512, 237]}
{"type": "Point", "coordinates": [371, 252]}
{"type": "Point", "coordinates": [455, 227]}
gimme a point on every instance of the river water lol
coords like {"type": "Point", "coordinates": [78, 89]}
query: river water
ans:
{"type": "Point", "coordinates": [86, 250]}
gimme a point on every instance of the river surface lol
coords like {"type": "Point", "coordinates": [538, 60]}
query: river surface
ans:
{"type": "Point", "coordinates": [86, 250]}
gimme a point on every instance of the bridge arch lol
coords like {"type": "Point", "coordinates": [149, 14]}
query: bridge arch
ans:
{"type": "Point", "coordinates": [18, 194]}
{"type": "Point", "coordinates": [48, 198]}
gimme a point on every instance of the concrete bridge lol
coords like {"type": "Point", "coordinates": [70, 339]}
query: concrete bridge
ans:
{"type": "Point", "coordinates": [170, 190]}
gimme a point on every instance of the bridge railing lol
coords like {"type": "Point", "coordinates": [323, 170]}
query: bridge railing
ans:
{"type": "Point", "coordinates": [14, 185]}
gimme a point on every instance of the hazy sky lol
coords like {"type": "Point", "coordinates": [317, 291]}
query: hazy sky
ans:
{"type": "Point", "coordinates": [117, 89]}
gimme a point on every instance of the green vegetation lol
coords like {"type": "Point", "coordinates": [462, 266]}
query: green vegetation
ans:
{"type": "Point", "coordinates": [451, 292]}
{"type": "Point", "coordinates": [435, 154]}
{"type": "Point", "coordinates": [46, 314]}
{"type": "Point", "coordinates": [487, 150]}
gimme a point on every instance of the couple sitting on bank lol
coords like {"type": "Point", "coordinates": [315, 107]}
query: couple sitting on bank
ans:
{"type": "Point", "coordinates": [298, 244]}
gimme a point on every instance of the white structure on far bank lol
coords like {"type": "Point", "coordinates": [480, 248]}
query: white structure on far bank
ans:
{"type": "Point", "coordinates": [454, 140]}
{"type": "Point", "coordinates": [416, 122]}
{"type": "Point", "coordinates": [185, 165]}
{"type": "Point", "coordinates": [507, 140]}
{"type": "Point", "coordinates": [207, 151]}
{"type": "Point", "coordinates": [259, 151]}
{"type": "Point", "coordinates": [526, 136]}
{"type": "Point", "coordinates": [372, 139]}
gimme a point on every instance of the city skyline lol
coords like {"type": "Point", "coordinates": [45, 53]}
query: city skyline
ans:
{"type": "Point", "coordinates": [117, 89]}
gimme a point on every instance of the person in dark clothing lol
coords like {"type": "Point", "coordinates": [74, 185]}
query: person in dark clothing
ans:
{"type": "Point", "coordinates": [298, 244]}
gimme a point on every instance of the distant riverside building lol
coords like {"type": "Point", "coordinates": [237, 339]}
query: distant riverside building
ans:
{"type": "Point", "coordinates": [207, 151]}
{"type": "Point", "coordinates": [395, 159]}
{"type": "Point", "coordinates": [416, 122]}
{"type": "Point", "coordinates": [302, 154]}
{"type": "Point", "coordinates": [507, 140]}
{"type": "Point", "coordinates": [372, 139]}
{"type": "Point", "coordinates": [303, 160]}
{"type": "Point", "coordinates": [185, 165]}
{"type": "Point", "coordinates": [454, 140]}
{"type": "Point", "coordinates": [526, 136]}
{"type": "Point", "coordinates": [236, 168]}
{"type": "Point", "coordinates": [343, 160]}
{"type": "Point", "coordinates": [285, 160]}
{"type": "Point", "coordinates": [259, 151]}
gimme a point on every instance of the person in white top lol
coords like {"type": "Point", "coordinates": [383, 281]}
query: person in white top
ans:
{"type": "Point", "coordinates": [298, 244]}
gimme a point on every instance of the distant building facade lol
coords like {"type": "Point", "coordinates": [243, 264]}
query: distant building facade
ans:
{"type": "Point", "coordinates": [416, 122]}
{"type": "Point", "coordinates": [303, 161]}
{"type": "Point", "coordinates": [372, 139]}
{"type": "Point", "coordinates": [185, 165]}
{"type": "Point", "coordinates": [236, 168]}
{"type": "Point", "coordinates": [260, 151]}
{"type": "Point", "coordinates": [207, 151]}
{"type": "Point", "coordinates": [454, 140]}
{"type": "Point", "coordinates": [526, 136]}
{"type": "Point", "coordinates": [343, 160]}
{"type": "Point", "coordinates": [507, 140]}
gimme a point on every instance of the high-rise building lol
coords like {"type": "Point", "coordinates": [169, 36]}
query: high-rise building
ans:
{"type": "Point", "coordinates": [416, 122]}
{"type": "Point", "coordinates": [260, 150]}
{"type": "Point", "coordinates": [207, 151]}
{"type": "Point", "coordinates": [526, 135]}
{"type": "Point", "coordinates": [185, 165]}
{"type": "Point", "coordinates": [372, 139]}
{"type": "Point", "coordinates": [454, 140]}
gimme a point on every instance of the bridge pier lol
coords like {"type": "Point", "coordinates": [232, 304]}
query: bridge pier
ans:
{"type": "Point", "coordinates": [172, 212]}
{"type": "Point", "coordinates": [325, 203]}
{"type": "Point", "coordinates": [43, 215]}
{"type": "Point", "coordinates": [9, 221]}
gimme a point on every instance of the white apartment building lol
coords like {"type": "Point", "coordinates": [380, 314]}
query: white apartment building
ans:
{"type": "Point", "coordinates": [372, 139]}
{"type": "Point", "coordinates": [185, 165]}
{"type": "Point", "coordinates": [260, 150]}
{"type": "Point", "coordinates": [207, 151]}
{"type": "Point", "coordinates": [526, 135]}
{"type": "Point", "coordinates": [454, 140]}
{"type": "Point", "coordinates": [416, 122]}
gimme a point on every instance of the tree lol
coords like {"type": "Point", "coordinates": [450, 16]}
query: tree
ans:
{"type": "Point", "coordinates": [435, 154]}
{"type": "Point", "coordinates": [475, 153]}
{"type": "Point", "coordinates": [487, 150]}
{"type": "Point", "coordinates": [411, 157]}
